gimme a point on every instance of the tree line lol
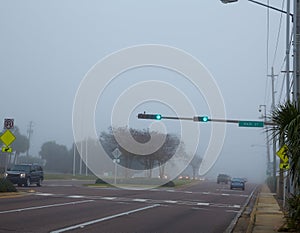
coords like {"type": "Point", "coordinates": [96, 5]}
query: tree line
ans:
{"type": "Point", "coordinates": [58, 158]}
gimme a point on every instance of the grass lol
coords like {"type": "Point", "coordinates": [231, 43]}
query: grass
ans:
{"type": "Point", "coordinates": [142, 183]}
{"type": "Point", "coordinates": [48, 176]}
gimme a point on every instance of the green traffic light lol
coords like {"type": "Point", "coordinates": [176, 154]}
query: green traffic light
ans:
{"type": "Point", "coordinates": [158, 117]}
{"type": "Point", "coordinates": [205, 118]}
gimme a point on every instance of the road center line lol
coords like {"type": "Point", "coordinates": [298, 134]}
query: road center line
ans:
{"type": "Point", "coordinates": [44, 206]}
{"type": "Point", "coordinates": [104, 219]}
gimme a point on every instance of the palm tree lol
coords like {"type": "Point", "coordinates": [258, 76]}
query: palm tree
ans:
{"type": "Point", "coordinates": [287, 127]}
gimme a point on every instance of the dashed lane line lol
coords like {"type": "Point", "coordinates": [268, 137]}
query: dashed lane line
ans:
{"type": "Point", "coordinates": [45, 206]}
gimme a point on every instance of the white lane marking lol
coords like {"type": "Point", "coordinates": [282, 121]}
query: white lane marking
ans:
{"type": "Point", "coordinates": [170, 190]}
{"type": "Point", "coordinates": [206, 193]}
{"type": "Point", "coordinates": [139, 200]}
{"type": "Point", "coordinates": [76, 196]}
{"type": "Point", "coordinates": [225, 194]}
{"type": "Point", "coordinates": [232, 211]}
{"type": "Point", "coordinates": [203, 203]}
{"type": "Point", "coordinates": [236, 206]}
{"type": "Point", "coordinates": [82, 225]}
{"type": "Point", "coordinates": [108, 198]}
{"type": "Point", "coordinates": [44, 194]}
{"type": "Point", "coordinates": [189, 192]}
{"type": "Point", "coordinates": [170, 201]}
{"type": "Point", "coordinates": [44, 206]}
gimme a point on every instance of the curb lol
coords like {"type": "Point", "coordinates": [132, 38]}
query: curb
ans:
{"type": "Point", "coordinates": [253, 214]}
{"type": "Point", "coordinates": [16, 194]}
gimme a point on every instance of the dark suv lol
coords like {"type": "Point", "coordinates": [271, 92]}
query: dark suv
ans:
{"type": "Point", "coordinates": [25, 174]}
{"type": "Point", "coordinates": [223, 178]}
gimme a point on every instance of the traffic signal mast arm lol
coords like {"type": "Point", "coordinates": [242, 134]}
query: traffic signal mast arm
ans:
{"type": "Point", "coordinates": [241, 123]}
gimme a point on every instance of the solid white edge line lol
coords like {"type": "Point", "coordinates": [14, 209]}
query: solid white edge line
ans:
{"type": "Point", "coordinates": [81, 225]}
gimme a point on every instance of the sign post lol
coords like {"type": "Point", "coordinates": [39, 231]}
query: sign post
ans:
{"type": "Point", "coordinates": [116, 153]}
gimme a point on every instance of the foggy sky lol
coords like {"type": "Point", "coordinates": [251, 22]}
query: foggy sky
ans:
{"type": "Point", "coordinates": [47, 47]}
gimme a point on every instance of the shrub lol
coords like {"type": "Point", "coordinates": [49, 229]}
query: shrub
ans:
{"type": "Point", "coordinates": [169, 184]}
{"type": "Point", "coordinates": [293, 217]}
{"type": "Point", "coordinates": [7, 186]}
{"type": "Point", "coordinates": [100, 181]}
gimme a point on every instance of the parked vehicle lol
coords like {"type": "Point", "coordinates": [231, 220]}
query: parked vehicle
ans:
{"type": "Point", "coordinates": [237, 183]}
{"type": "Point", "coordinates": [25, 174]}
{"type": "Point", "coordinates": [223, 178]}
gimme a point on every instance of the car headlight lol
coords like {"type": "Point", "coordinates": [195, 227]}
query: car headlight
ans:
{"type": "Point", "coordinates": [22, 175]}
{"type": "Point", "coordinates": [5, 174]}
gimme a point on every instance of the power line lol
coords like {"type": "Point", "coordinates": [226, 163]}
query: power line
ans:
{"type": "Point", "coordinates": [278, 35]}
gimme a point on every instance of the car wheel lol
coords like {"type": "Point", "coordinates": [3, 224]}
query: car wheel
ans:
{"type": "Point", "coordinates": [27, 183]}
{"type": "Point", "coordinates": [39, 182]}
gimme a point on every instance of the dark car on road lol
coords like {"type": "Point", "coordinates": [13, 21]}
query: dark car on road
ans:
{"type": "Point", "coordinates": [223, 178]}
{"type": "Point", "coordinates": [237, 183]}
{"type": "Point", "coordinates": [25, 174]}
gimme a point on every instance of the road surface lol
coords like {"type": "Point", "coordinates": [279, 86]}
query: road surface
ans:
{"type": "Point", "coordinates": [68, 206]}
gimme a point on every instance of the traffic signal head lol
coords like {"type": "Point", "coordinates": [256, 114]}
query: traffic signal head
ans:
{"type": "Point", "coordinates": [149, 116]}
{"type": "Point", "coordinates": [201, 118]}
{"type": "Point", "coordinates": [204, 118]}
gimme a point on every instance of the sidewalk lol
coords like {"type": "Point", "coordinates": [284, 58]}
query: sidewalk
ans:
{"type": "Point", "coordinates": [266, 215]}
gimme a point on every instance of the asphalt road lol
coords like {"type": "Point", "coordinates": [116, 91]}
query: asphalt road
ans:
{"type": "Point", "coordinates": [68, 206]}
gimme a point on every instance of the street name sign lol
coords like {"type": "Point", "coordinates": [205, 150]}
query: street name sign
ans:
{"type": "Point", "coordinates": [251, 124]}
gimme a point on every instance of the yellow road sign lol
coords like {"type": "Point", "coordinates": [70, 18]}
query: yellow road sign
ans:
{"type": "Point", "coordinates": [285, 166]}
{"type": "Point", "coordinates": [6, 149]}
{"type": "Point", "coordinates": [7, 137]}
{"type": "Point", "coordinates": [282, 153]}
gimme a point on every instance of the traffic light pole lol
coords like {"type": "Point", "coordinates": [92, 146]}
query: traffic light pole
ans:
{"type": "Point", "coordinates": [205, 119]}
{"type": "Point", "coordinates": [177, 118]}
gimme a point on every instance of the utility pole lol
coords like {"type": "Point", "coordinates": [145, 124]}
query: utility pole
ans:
{"type": "Point", "coordinates": [287, 54]}
{"type": "Point", "coordinates": [29, 133]}
{"type": "Point", "coordinates": [267, 136]}
{"type": "Point", "coordinates": [296, 51]}
{"type": "Point", "coordinates": [274, 137]}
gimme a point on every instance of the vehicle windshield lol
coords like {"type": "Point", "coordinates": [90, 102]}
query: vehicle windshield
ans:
{"type": "Point", "coordinates": [237, 180]}
{"type": "Point", "coordinates": [20, 168]}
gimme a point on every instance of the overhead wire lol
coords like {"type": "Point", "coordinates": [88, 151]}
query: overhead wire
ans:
{"type": "Point", "coordinates": [278, 34]}
{"type": "Point", "coordinates": [285, 74]}
{"type": "Point", "coordinates": [275, 55]}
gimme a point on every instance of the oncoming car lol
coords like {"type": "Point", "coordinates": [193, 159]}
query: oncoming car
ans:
{"type": "Point", "coordinates": [25, 174]}
{"type": "Point", "coordinates": [237, 183]}
{"type": "Point", "coordinates": [184, 177]}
